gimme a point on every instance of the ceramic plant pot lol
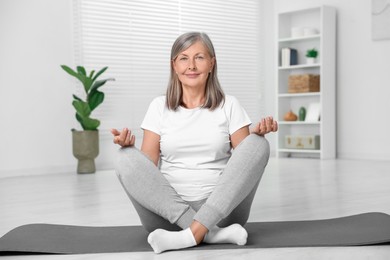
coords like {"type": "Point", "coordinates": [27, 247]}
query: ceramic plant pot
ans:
{"type": "Point", "coordinates": [85, 149]}
{"type": "Point", "coordinates": [310, 60]}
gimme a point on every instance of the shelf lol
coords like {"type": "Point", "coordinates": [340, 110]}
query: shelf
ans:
{"type": "Point", "coordinates": [322, 21]}
{"type": "Point", "coordinates": [298, 123]}
{"type": "Point", "coordinates": [298, 150]}
{"type": "Point", "coordinates": [303, 38]}
{"type": "Point", "coordinates": [307, 94]}
{"type": "Point", "coordinates": [300, 66]}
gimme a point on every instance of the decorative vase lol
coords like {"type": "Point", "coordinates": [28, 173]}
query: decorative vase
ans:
{"type": "Point", "coordinates": [85, 149]}
{"type": "Point", "coordinates": [290, 116]}
{"type": "Point", "coordinates": [302, 114]}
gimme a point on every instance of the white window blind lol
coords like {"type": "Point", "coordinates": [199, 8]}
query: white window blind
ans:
{"type": "Point", "coordinates": [134, 37]}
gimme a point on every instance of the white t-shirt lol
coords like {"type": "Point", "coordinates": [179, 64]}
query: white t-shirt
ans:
{"type": "Point", "coordinates": [195, 144]}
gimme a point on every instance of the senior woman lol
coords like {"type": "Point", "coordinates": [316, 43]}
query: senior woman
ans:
{"type": "Point", "coordinates": [199, 166]}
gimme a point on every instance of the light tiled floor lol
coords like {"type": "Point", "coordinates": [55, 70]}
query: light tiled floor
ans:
{"type": "Point", "coordinates": [291, 189]}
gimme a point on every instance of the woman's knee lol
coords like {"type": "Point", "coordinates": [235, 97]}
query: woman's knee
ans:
{"type": "Point", "coordinates": [259, 140]}
{"type": "Point", "coordinates": [255, 144]}
{"type": "Point", "coordinates": [264, 144]}
{"type": "Point", "coordinates": [129, 160]}
{"type": "Point", "coordinates": [128, 165]}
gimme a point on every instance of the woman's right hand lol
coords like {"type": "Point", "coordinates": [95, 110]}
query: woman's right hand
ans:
{"type": "Point", "coordinates": [124, 138]}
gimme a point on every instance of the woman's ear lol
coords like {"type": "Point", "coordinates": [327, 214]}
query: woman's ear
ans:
{"type": "Point", "coordinates": [212, 63]}
{"type": "Point", "coordinates": [173, 65]}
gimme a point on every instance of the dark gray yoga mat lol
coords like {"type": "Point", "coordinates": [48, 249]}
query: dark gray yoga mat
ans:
{"type": "Point", "coordinates": [356, 230]}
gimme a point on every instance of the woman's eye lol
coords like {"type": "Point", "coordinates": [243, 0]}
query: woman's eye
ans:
{"type": "Point", "coordinates": [199, 57]}
{"type": "Point", "coordinates": [183, 58]}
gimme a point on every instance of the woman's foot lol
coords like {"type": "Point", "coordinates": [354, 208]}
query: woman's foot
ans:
{"type": "Point", "coordinates": [161, 240]}
{"type": "Point", "coordinates": [233, 234]}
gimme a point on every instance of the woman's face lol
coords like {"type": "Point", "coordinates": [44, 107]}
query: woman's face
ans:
{"type": "Point", "coordinates": [193, 66]}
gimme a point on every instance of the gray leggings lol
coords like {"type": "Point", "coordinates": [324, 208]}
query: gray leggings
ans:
{"type": "Point", "coordinates": [159, 206]}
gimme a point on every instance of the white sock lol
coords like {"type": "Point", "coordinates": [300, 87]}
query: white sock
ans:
{"type": "Point", "coordinates": [161, 240]}
{"type": "Point", "coordinates": [233, 234]}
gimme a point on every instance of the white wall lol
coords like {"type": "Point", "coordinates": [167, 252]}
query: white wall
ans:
{"type": "Point", "coordinates": [36, 113]}
{"type": "Point", "coordinates": [363, 79]}
{"type": "Point", "coordinates": [35, 107]}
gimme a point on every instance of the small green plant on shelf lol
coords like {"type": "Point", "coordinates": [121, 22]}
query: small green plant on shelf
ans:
{"type": "Point", "coordinates": [312, 53]}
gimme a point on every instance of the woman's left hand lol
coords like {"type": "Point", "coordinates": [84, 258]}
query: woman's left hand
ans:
{"type": "Point", "coordinates": [265, 126]}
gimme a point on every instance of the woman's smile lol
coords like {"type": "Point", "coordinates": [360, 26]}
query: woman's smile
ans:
{"type": "Point", "coordinates": [192, 75]}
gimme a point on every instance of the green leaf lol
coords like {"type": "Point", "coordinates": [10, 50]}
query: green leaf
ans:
{"type": "Point", "coordinates": [87, 84]}
{"type": "Point", "coordinates": [81, 70]}
{"type": "Point", "coordinates": [91, 123]}
{"type": "Point", "coordinates": [77, 98]}
{"type": "Point", "coordinates": [99, 73]}
{"type": "Point", "coordinates": [88, 123]}
{"type": "Point", "coordinates": [80, 119]}
{"type": "Point", "coordinates": [82, 108]}
{"type": "Point", "coordinates": [71, 72]}
{"type": "Point", "coordinates": [91, 74]}
{"type": "Point", "coordinates": [95, 99]}
{"type": "Point", "coordinates": [100, 83]}
{"type": "Point", "coordinates": [82, 76]}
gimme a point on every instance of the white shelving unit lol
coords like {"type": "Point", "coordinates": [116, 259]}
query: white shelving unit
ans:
{"type": "Point", "coordinates": [323, 20]}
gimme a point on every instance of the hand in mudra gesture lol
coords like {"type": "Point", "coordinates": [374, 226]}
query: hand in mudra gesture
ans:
{"type": "Point", "coordinates": [123, 138]}
{"type": "Point", "coordinates": [265, 126]}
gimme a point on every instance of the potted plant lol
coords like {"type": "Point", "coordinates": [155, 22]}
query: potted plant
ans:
{"type": "Point", "coordinates": [311, 55]}
{"type": "Point", "coordinates": [86, 141]}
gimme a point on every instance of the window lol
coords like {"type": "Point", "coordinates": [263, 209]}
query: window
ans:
{"type": "Point", "coordinates": [134, 38]}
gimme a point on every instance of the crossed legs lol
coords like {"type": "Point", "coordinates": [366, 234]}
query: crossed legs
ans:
{"type": "Point", "coordinates": [172, 219]}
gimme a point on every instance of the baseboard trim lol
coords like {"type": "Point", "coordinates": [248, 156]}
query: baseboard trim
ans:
{"type": "Point", "coordinates": [46, 170]}
{"type": "Point", "coordinates": [364, 156]}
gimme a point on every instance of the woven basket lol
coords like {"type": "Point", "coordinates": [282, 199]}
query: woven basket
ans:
{"type": "Point", "coordinates": [303, 83]}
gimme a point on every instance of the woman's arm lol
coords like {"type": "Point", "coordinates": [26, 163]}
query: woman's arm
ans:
{"type": "Point", "coordinates": [238, 136]}
{"type": "Point", "coordinates": [151, 146]}
{"type": "Point", "coordinates": [264, 126]}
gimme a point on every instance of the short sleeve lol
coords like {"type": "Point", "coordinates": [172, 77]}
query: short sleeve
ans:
{"type": "Point", "coordinates": [152, 119]}
{"type": "Point", "coordinates": [236, 114]}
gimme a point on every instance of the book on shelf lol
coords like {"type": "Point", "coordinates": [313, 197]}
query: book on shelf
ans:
{"type": "Point", "coordinates": [289, 56]}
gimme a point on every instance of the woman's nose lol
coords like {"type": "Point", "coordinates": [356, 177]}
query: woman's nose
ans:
{"type": "Point", "coordinates": [191, 64]}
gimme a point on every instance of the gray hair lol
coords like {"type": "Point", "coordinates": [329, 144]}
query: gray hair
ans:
{"type": "Point", "coordinates": [214, 95]}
